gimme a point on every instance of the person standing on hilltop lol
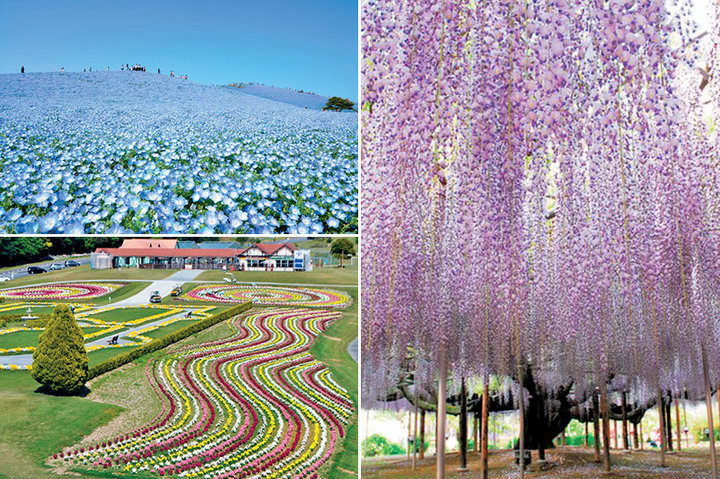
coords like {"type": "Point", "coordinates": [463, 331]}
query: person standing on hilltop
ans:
{"type": "Point", "coordinates": [22, 68]}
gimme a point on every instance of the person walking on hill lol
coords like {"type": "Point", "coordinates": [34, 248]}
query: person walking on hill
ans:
{"type": "Point", "coordinates": [22, 68]}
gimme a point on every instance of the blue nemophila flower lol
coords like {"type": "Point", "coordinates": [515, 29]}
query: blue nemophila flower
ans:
{"type": "Point", "coordinates": [167, 156]}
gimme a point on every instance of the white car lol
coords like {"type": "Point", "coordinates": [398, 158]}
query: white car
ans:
{"type": "Point", "coordinates": [4, 278]}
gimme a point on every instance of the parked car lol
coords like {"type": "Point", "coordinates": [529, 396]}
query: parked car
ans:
{"type": "Point", "coordinates": [36, 270]}
{"type": "Point", "coordinates": [177, 291]}
{"type": "Point", "coordinates": [70, 263]}
{"type": "Point", "coordinates": [155, 297]}
{"type": "Point", "coordinates": [56, 266]}
{"type": "Point", "coordinates": [4, 278]}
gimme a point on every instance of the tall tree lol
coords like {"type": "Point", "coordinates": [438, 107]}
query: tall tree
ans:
{"type": "Point", "coordinates": [343, 248]}
{"type": "Point", "coordinates": [60, 361]}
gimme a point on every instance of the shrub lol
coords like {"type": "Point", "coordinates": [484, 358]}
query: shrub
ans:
{"type": "Point", "coordinates": [60, 361]}
{"type": "Point", "coordinates": [165, 341]}
{"type": "Point", "coordinates": [377, 445]}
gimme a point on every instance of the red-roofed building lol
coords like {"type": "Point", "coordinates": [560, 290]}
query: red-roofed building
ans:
{"type": "Point", "coordinates": [257, 257]}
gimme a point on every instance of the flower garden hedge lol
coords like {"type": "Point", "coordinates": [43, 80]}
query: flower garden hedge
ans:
{"type": "Point", "coordinates": [165, 341]}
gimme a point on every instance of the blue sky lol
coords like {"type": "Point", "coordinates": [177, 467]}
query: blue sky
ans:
{"type": "Point", "coordinates": [302, 44]}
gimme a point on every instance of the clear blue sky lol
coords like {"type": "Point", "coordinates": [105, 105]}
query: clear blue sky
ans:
{"type": "Point", "coordinates": [302, 44]}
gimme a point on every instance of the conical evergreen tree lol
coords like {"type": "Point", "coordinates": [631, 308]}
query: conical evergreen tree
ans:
{"type": "Point", "coordinates": [60, 360]}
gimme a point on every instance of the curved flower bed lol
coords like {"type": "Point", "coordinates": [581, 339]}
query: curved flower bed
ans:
{"type": "Point", "coordinates": [269, 295]}
{"type": "Point", "coordinates": [62, 291]}
{"type": "Point", "coordinates": [21, 308]}
{"type": "Point", "coordinates": [252, 405]}
{"type": "Point", "coordinates": [84, 313]}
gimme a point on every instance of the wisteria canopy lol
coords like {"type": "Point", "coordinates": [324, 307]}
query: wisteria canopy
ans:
{"type": "Point", "coordinates": [540, 184]}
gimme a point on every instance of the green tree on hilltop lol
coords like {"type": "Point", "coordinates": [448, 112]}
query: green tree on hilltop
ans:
{"type": "Point", "coordinates": [60, 361]}
{"type": "Point", "coordinates": [339, 104]}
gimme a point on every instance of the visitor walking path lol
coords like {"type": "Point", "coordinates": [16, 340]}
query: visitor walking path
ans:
{"type": "Point", "coordinates": [353, 350]}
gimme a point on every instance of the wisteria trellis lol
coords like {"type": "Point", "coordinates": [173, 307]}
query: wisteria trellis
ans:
{"type": "Point", "coordinates": [540, 183]}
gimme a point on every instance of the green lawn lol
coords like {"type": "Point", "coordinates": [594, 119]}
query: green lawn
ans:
{"type": "Point", "coordinates": [165, 330]}
{"type": "Point", "coordinates": [126, 314]}
{"type": "Point", "coordinates": [33, 426]}
{"type": "Point", "coordinates": [84, 273]}
{"type": "Point", "coordinates": [35, 310]}
{"type": "Point", "coordinates": [23, 339]}
{"type": "Point", "coordinates": [96, 357]}
{"type": "Point", "coordinates": [331, 348]}
{"type": "Point", "coordinates": [339, 276]}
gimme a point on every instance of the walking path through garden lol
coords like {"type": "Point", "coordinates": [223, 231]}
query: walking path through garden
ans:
{"type": "Point", "coordinates": [353, 350]}
{"type": "Point", "coordinates": [163, 286]}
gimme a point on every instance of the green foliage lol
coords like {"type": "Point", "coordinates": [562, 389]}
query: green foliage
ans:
{"type": "Point", "coordinates": [377, 445]}
{"type": "Point", "coordinates": [22, 250]}
{"type": "Point", "coordinates": [339, 104]}
{"type": "Point", "coordinates": [343, 248]}
{"type": "Point", "coordinates": [60, 360]}
{"type": "Point", "coordinates": [165, 341]}
{"type": "Point", "coordinates": [18, 251]}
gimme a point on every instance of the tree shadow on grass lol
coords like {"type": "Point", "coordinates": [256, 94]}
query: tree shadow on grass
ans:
{"type": "Point", "coordinates": [44, 389]}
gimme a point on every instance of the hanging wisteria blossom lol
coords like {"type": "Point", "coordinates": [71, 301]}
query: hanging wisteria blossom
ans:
{"type": "Point", "coordinates": [540, 186]}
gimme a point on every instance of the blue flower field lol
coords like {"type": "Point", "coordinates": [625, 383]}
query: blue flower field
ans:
{"type": "Point", "coordinates": [123, 151]}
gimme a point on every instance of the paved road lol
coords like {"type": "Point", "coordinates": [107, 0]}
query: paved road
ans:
{"type": "Point", "coordinates": [163, 286]}
{"type": "Point", "coordinates": [353, 350]}
{"type": "Point", "coordinates": [21, 271]}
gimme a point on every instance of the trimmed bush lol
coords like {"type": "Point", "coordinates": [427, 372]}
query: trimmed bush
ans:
{"type": "Point", "coordinates": [60, 360]}
{"type": "Point", "coordinates": [165, 341]}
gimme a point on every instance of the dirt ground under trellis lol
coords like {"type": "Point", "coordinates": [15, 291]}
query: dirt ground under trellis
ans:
{"type": "Point", "coordinates": [567, 463]}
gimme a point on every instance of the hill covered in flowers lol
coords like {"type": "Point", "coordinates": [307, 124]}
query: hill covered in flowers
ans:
{"type": "Point", "coordinates": [123, 151]}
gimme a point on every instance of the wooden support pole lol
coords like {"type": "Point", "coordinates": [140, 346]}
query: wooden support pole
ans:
{"type": "Point", "coordinates": [409, 462]}
{"type": "Point", "coordinates": [661, 417]}
{"type": "Point", "coordinates": [615, 439]}
{"type": "Point", "coordinates": [626, 444]}
{"type": "Point", "coordinates": [677, 422]}
{"type": "Point", "coordinates": [422, 434]}
{"type": "Point", "coordinates": [635, 436]}
{"type": "Point", "coordinates": [668, 422]}
{"type": "Point", "coordinates": [475, 433]}
{"type": "Point", "coordinates": [484, 422]}
{"type": "Point", "coordinates": [415, 432]}
{"type": "Point", "coordinates": [605, 426]}
{"type": "Point", "coordinates": [521, 442]}
{"type": "Point", "coordinates": [463, 426]}
{"type": "Point", "coordinates": [587, 435]}
{"type": "Point", "coordinates": [596, 427]}
{"type": "Point", "coordinates": [708, 402]}
{"type": "Point", "coordinates": [441, 418]}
